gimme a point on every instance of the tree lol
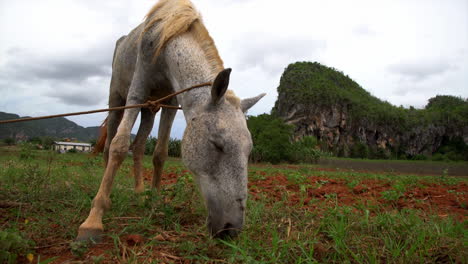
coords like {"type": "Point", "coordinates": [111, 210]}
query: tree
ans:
{"type": "Point", "coordinates": [9, 141]}
{"type": "Point", "coordinates": [271, 138]}
{"type": "Point", "coordinates": [35, 140]}
{"type": "Point", "coordinates": [150, 145]}
{"type": "Point", "coordinates": [47, 142]}
{"type": "Point", "coordinates": [174, 148]}
{"type": "Point", "coordinates": [305, 150]}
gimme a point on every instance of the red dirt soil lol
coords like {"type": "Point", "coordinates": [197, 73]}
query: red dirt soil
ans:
{"type": "Point", "coordinates": [442, 200]}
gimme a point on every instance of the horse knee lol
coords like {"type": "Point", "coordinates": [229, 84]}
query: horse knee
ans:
{"type": "Point", "coordinates": [119, 147]}
{"type": "Point", "coordinates": [159, 158]}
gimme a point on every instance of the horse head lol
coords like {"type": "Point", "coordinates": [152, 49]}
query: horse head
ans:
{"type": "Point", "coordinates": [216, 147]}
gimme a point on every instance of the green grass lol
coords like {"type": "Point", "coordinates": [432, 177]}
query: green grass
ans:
{"type": "Point", "coordinates": [52, 194]}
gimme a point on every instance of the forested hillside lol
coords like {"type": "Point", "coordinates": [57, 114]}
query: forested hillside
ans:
{"type": "Point", "coordinates": [55, 128]}
{"type": "Point", "coordinates": [323, 102]}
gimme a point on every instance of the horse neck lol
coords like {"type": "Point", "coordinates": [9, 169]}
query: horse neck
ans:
{"type": "Point", "coordinates": [187, 65]}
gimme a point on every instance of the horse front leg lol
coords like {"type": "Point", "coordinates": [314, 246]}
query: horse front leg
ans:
{"type": "Point", "coordinates": [160, 152]}
{"type": "Point", "coordinates": [147, 121]}
{"type": "Point", "coordinates": [92, 227]}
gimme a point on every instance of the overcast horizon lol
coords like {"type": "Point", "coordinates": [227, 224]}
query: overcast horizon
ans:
{"type": "Point", "coordinates": [55, 55]}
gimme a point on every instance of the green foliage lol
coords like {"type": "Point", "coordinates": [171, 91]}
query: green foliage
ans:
{"type": "Point", "coordinates": [305, 150]}
{"type": "Point", "coordinates": [174, 147]}
{"type": "Point", "coordinates": [271, 138]}
{"type": "Point", "coordinates": [359, 150]}
{"type": "Point", "coordinates": [452, 149]}
{"type": "Point", "coordinates": [272, 142]}
{"type": "Point", "coordinates": [9, 141]}
{"type": "Point", "coordinates": [13, 245]}
{"type": "Point", "coordinates": [313, 85]}
{"type": "Point", "coordinates": [73, 150]}
{"type": "Point", "coordinates": [35, 140]}
{"type": "Point", "coordinates": [26, 151]}
{"type": "Point", "coordinates": [93, 142]}
{"type": "Point", "coordinates": [150, 145]}
{"type": "Point", "coordinates": [59, 127]}
{"type": "Point", "coordinates": [394, 194]}
{"type": "Point", "coordinates": [47, 142]}
{"type": "Point", "coordinates": [379, 153]}
{"type": "Point", "coordinates": [419, 157]}
{"type": "Point", "coordinates": [448, 110]}
{"type": "Point", "coordinates": [79, 248]}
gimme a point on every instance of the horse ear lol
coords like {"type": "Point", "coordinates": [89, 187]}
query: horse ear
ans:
{"type": "Point", "coordinates": [220, 85]}
{"type": "Point", "coordinates": [249, 102]}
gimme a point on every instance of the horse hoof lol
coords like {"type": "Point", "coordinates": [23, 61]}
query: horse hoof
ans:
{"type": "Point", "coordinates": [89, 235]}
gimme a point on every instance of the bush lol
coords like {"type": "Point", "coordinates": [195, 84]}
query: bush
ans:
{"type": "Point", "coordinates": [35, 140]}
{"type": "Point", "coordinates": [150, 145]}
{"type": "Point", "coordinates": [419, 157]}
{"type": "Point", "coordinates": [453, 149]}
{"type": "Point", "coordinates": [47, 142]}
{"type": "Point", "coordinates": [26, 151]}
{"type": "Point", "coordinates": [271, 139]}
{"type": "Point", "coordinates": [174, 147]}
{"type": "Point", "coordinates": [9, 141]}
{"type": "Point", "coordinates": [359, 150]}
{"type": "Point", "coordinates": [272, 142]}
{"type": "Point", "coordinates": [13, 245]}
{"type": "Point", "coordinates": [439, 157]}
{"type": "Point", "coordinates": [305, 150]}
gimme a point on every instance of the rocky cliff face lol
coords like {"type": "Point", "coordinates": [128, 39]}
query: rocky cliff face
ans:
{"type": "Point", "coordinates": [321, 102]}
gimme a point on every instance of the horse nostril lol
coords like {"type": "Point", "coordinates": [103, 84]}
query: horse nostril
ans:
{"type": "Point", "coordinates": [228, 231]}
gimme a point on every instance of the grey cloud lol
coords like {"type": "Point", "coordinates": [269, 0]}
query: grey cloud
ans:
{"type": "Point", "coordinates": [418, 71]}
{"type": "Point", "coordinates": [77, 67]}
{"type": "Point", "coordinates": [274, 53]}
{"type": "Point", "coordinates": [77, 77]}
{"type": "Point", "coordinates": [74, 71]}
{"type": "Point", "coordinates": [82, 98]}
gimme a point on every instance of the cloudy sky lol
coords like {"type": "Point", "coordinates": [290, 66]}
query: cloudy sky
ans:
{"type": "Point", "coordinates": [55, 55]}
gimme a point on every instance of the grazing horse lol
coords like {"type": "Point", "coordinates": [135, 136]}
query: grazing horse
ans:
{"type": "Point", "coordinates": [172, 50]}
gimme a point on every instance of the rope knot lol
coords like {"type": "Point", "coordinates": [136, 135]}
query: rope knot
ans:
{"type": "Point", "coordinates": [153, 106]}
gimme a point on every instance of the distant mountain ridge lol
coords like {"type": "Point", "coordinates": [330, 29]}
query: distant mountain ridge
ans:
{"type": "Point", "coordinates": [55, 127]}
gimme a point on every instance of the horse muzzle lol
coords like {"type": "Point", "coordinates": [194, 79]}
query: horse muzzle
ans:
{"type": "Point", "coordinates": [224, 229]}
{"type": "Point", "coordinates": [224, 223]}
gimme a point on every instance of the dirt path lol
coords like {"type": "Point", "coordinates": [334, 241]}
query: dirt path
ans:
{"type": "Point", "coordinates": [411, 167]}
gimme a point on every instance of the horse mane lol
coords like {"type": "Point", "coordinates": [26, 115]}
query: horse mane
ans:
{"type": "Point", "coordinates": [232, 98]}
{"type": "Point", "coordinates": [172, 18]}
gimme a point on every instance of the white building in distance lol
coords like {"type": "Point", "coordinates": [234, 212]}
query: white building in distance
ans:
{"type": "Point", "coordinates": [62, 147]}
